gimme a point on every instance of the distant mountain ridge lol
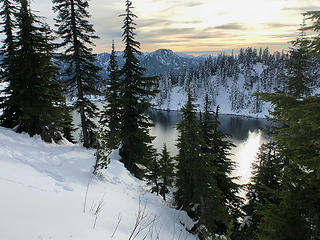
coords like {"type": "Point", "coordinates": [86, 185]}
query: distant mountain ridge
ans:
{"type": "Point", "coordinates": [158, 62]}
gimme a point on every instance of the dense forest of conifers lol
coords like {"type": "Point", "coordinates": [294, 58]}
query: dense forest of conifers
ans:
{"type": "Point", "coordinates": [283, 197]}
{"type": "Point", "coordinates": [237, 77]}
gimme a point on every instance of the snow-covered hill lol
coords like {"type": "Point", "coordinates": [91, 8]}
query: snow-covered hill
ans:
{"type": "Point", "coordinates": [48, 192]}
{"type": "Point", "coordinates": [232, 96]}
{"type": "Point", "coordinates": [230, 82]}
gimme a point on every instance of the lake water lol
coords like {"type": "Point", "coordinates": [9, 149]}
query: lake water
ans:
{"type": "Point", "coordinates": [246, 133]}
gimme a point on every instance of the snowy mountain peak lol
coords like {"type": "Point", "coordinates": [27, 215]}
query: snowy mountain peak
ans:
{"type": "Point", "coordinates": [167, 52]}
{"type": "Point", "coordinates": [158, 62]}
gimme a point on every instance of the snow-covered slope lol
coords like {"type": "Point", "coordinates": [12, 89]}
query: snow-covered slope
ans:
{"type": "Point", "coordinates": [179, 98]}
{"type": "Point", "coordinates": [229, 81]}
{"type": "Point", "coordinates": [47, 192]}
{"type": "Point", "coordinates": [233, 97]}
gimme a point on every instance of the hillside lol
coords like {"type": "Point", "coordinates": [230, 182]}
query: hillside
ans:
{"type": "Point", "coordinates": [48, 192]}
{"type": "Point", "coordinates": [230, 82]}
{"type": "Point", "coordinates": [232, 96]}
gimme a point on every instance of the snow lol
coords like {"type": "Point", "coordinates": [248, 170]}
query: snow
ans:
{"type": "Point", "coordinates": [43, 188]}
{"type": "Point", "coordinates": [179, 98]}
{"type": "Point", "coordinates": [3, 85]}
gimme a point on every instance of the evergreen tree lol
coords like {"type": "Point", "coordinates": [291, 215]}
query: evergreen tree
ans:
{"type": "Point", "coordinates": [188, 159]}
{"type": "Point", "coordinates": [110, 115]}
{"type": "Point", "coordinates": [153, 176]}
{"type": "Point", "coordinates": [102, 153]}
{"type": "Point", "coordinates": [298, 78]}
{"type": "Point", "coordinates": [8, 10]}
{"type": "Point", "coordinates": [11, 111]}
{"type": "Point", "coordinates": [34, 89]}
{"type": "Point", "coordinates": [204, 188]}
{"type": "Point", "coordinates": [266, 179]}
{"type": "Point", "coordinates": [314, 16]}
{"type": "Point", "coordinates": [297, 215]}
{"type": "Point", "coordinates": [108, 136]}
{"type": "Point", "coordinates": [81, 76]}
{"type": "Point", "coordinates": [166, 176]}
{"type": "Point", "coordinates": [136, 150]}
{"type": "Point", "coordinates": [68, 127]}
{"type": "Point", "coordinates": [218, 168]}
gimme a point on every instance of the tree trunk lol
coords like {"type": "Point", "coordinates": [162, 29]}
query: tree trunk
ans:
{"type": "Point", "coordinates": [202, 219]}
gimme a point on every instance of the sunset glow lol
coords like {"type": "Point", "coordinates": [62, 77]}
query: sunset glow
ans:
{"type": "Point", "coordinates": [198, 26]}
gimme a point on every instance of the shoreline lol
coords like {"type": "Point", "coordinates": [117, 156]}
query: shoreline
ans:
{"type": "Point", "coordinates": [225, 114]}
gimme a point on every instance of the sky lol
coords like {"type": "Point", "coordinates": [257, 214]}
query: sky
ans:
{"type": "Point", "coordinates": [196, 26]}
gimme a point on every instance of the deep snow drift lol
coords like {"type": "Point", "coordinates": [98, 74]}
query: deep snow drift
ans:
{"type": "Point", "coordinates": [43, 196]}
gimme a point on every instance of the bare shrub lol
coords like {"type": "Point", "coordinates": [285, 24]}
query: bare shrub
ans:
{"type": "Point", "coordinates": [144, 224]}
{"type": "Point", "coordinates": [97, 209]}
{"type": "Point", "coordinates": [86, 195]}
{"type": "Point", "coordinates": [118, 223]}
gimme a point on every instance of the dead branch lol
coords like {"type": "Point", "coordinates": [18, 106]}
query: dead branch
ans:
{"type": "Point", "coordinates": [118, 223]}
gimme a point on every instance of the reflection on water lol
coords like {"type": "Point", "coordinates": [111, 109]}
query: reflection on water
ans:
{"type": "Point", "coordinates": [165, 135]}
{"type": "Point", "coordinates": [246, 133]}
{"type": "Point", "coordinates": [245, 153]}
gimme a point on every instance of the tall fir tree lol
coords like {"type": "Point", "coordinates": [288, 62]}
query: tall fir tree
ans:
{"type": "Point", "coordinates": [160, 174]}
{"type": "Point", "coordinates": [266, 181]}
{"type": "Point", "coordinates": [8, 11]}
{"type": "Point", "coordinates": [297, 215]}
{"type": "Point", "coordinates": [11, 111]}
{"type": "Point", "coordinates": [110, 116]}
{"type": "Point", "coordinates": [81, 75]}
{"type": "Point", "coordinates": [136, 150]}
{"type": "Point", "coordinates": [166, 172]}
{"type": "Point", "coordinates": [153, 176]}
{"type": "Point", "coordinates": [34, 89]}
{"type": "Point", "coordinates": [314, 16]}
{"type": "Point", "coordinates": [188, 159]}
{"type": "Point", "coordinates": [298, 77]}
{"type": "Point", "coordinates": [204, 186]}
{"type": "Point", "coordinates": [220, 195]}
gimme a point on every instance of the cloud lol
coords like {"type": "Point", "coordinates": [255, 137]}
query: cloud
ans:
{"type": "Point", "coordinates": [154, 22]}
{"type": "Point", "coordinates": [186, 34]}
{"type": "Point", "coordinates": [222, 13]}
{"type": "Point", "coordinates": [278, 25]}
{"type": "Point", "coordinates": [159, 41]}
{"type": "Point", "coordinates": [189, 24]}
{"type": "Point", "coordinates": [301, 9]}
{"type": "Point", "coordinates": [281, 36]}
{"type": "Point", "coordinates": [193, 4]}
{"type": "Point", "coordinates": [231, 26]}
